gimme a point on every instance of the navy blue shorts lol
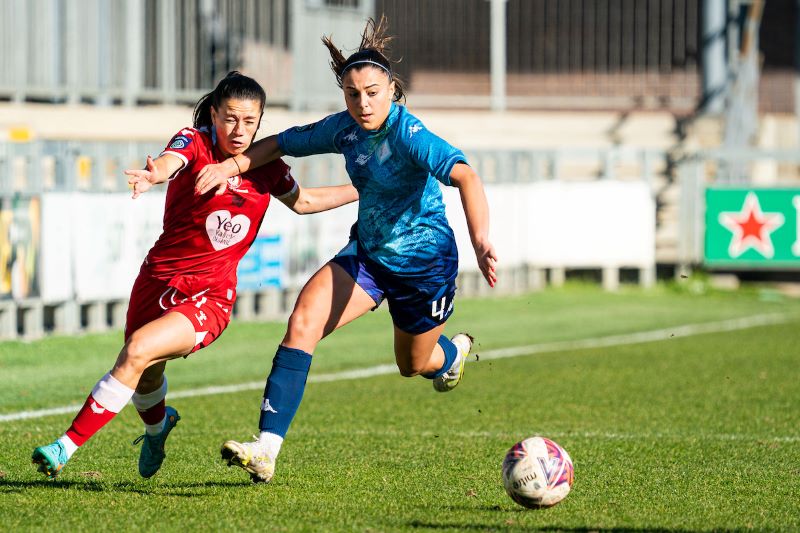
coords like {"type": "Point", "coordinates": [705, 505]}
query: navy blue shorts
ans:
{"type": "Point", "coordinates": [413, 309]}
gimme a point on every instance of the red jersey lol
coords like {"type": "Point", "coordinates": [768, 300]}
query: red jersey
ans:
{"type": "Point", "coordinates": [206, 236]}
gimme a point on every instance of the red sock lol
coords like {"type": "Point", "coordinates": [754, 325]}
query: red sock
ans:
{"type": "Point", "coordinates": [107, 399]}
{"type": "Point", "coordinates": [155, 414]}
{"type": "Point", "coordinates": [152, 405]}
{"type": "Point", "coordinates": [88, 421]}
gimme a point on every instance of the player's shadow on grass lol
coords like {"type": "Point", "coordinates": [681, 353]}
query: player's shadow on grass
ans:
{"type": "Point", "coordinates": [91, 485]}
{"type": "Point", "coordinates": [18, 486]}
{"type": "Point", "coordinates": [515, 526]}
{"type": "Point", "coordinates": [514, 519]}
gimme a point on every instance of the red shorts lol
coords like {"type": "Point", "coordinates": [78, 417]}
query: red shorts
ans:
{"type": "Point", "coordinates": [152, 298]}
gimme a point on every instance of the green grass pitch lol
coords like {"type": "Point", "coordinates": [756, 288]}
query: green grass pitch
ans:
{"type": "Point", "coordinates": [682, 432]}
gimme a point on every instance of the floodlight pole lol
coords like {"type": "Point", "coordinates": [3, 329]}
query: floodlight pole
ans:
{"type": "Point", "coordinates": [498, 54]}
{"type": "Point", "coordinates": [134, 52]}
{"type": "Point", "coordinates": [19, 9]}
{"type": "Point", "coordinates": [298, 98]}
{"type": "Point", "coordinates": [714, 67]}
{"type": "Point", "coordinates": [797, 63]}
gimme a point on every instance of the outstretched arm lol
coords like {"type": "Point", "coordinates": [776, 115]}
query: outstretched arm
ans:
{"type": "Point", "coordinates": [476, 209]}
{"type": "Point", "coordinates": [305, 201]}
{"type": "Point", "coordinates": [156, 171]}
{"type": "Point", "coordinates": [216, 176]}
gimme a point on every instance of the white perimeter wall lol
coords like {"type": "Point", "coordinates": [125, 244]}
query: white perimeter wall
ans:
{"type": "Point", "coordinates": [93, 244]}
{"type": "Point", "coordinates": [572, 225]}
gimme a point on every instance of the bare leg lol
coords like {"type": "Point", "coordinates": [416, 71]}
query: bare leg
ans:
{"type": "Point", "coordinates": [419, 353]}
{"type": "Point", "coordinates": [167, 337]}
{"type": "Point", "coordinates": [329, 300]}
{"type": "Point", "coordinates": [152, 378]}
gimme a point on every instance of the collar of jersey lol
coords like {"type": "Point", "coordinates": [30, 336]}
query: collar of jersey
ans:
{"type": "Point", "coordinates": [209, 130]}
{"type": "Point", "coordinates": [217, 152]}
{"type": "Point", "coordinates": [394, 112]}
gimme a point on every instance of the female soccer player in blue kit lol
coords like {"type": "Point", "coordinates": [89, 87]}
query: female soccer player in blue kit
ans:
{"type": "Point", "coordinates": [401, 248]}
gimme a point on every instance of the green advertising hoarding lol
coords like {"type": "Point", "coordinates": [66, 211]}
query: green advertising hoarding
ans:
{"type": "Point", "coordinates": [752, 228]}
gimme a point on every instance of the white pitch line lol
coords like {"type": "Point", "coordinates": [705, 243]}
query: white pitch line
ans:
{"type": "Point", "coordinates": [501, 353]}
{"type": "Point", "coordinates": [687, 330]}
{"type": "Point", "coordinates": [604, 435]}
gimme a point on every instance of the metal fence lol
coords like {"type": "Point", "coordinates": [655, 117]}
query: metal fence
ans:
{"type": "Point", "coordinates": [28, 171]}
{"type": "Point", "coordinates": [548, 35]}
{"type": "Point", "coordinates": [137, 51]}
{"type": "Point", "coordinates": [608, 54]}
{"type": "Point", "coordinates": [65, 166]}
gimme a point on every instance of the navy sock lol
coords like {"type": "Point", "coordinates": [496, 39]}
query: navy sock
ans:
{"type": "Point", "coordinates": [285, 385]}
{"type": "Point", "coordinates": [450, 354]}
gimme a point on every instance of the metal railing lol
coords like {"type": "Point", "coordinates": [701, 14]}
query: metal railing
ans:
{"type": "Point", "coordinates": [42, 166]}
{"type": "Point", "coordinates": [29, 171]}
{"type": "Point", "coordinates": [138, 51]}
{"type": "Point", "coordinates": [469, 53]}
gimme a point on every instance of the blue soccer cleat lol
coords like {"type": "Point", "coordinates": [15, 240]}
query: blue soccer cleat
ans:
{"type": "Point", "coordinates": [51, 459]}
{"type": "Point", "coordinates": [448, 381]}
{"type": "Point", "coordinates": [152, 454]}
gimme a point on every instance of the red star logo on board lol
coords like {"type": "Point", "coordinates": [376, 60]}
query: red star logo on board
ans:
{"type": "Point", "coordinates": [751, 228]}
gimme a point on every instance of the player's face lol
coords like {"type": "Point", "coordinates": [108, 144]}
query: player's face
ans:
{"type": "Point", "coordinates": [368, 95]}
{"type": "Point", "coordinates": [236, 122]}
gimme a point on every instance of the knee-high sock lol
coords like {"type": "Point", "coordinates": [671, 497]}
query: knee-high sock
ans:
{"type": "Point", "coordinates": [152, 408]}
{"type": "Point", "coordinates": [450, 354]}
{"type": "Point", "coordinates": [284, 391]}
{"type": "Point", "coordinates": [107, 399]}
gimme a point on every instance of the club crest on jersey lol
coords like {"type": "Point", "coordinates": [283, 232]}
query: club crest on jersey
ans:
{"type": "Point", "coordinates": [235, 184]}
{"type": "Point", "coordinates": [180, 142]}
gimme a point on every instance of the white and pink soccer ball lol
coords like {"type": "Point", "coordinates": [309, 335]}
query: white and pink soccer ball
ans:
{"type": "Point", "coordinates": [537, 472]}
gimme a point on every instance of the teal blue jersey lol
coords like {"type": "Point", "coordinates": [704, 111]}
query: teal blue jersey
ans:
{"type": "Point", "coordinates": [401, 217]}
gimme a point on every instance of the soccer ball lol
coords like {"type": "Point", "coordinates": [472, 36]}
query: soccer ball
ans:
{"type": "Point", "coordinates": [537, 472]}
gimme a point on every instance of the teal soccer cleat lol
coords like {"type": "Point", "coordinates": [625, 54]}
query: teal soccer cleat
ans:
{"type": "Point", "coordinates": [51, 459]}
{"type": "Point", "coordinates": [152, 454]}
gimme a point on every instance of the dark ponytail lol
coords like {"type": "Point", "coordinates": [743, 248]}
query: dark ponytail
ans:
{"type": "Point", "coordinates": [234, 85]}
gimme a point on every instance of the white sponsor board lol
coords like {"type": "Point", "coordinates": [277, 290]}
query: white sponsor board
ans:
{"type": "Point", "coordinates": [310, 241]}
{"type": "Point", "coordinates": [56, 257]}
{"type": "Point", "coordinates": [555, 224]}
{"type": "Point", "coordinates": [94, 243]}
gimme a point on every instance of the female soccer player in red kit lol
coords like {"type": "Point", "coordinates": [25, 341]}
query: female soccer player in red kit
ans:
{"type": "Point", "coordinates": [184, 294]}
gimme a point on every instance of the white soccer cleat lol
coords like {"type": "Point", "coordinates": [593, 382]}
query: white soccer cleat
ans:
{"type": "Point", "coordinates": [448, 381]}
{"type": "Point", "coordinates": [252, 457]}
